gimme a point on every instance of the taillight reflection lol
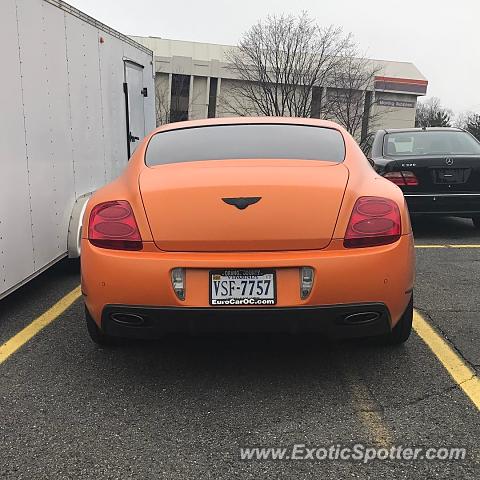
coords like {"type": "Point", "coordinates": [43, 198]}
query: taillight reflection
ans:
{"type": "Point", "coordinates": [113, 225]}
{"type": "Point", "coordinates": [374, 221]}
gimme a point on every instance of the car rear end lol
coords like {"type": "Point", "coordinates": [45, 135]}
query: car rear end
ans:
{"type": "Point", "coordinates": [313, 252]}
{"type": "Point", "coordinates": [438, 170]}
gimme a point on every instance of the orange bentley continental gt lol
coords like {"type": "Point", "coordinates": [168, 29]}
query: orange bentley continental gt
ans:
{"type": "Point", "coordinates": [248, 224]}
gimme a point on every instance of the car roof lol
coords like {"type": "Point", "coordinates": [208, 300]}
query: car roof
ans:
{"type": "Point", "coordinates": [420, 129]}
{"type": "Point", "coordinates": [249, 121]}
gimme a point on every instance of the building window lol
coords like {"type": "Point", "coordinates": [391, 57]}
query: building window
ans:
{"type": "Point", "coordinates": [212, 98]}
{"type": "Point", "coordinates": [316, 105]}
{"type": "Point", "coordinates": [180, 97]}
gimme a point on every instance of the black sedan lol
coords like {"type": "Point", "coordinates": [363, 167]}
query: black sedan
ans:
{"type": "Point", "coordinates": [438, 169]}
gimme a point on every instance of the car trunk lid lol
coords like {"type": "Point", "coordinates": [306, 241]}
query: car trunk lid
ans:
{"type": "Point", "coordinates": [297, 208]}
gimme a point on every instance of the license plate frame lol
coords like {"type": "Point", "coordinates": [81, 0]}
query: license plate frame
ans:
{"type": "Point", "coordinates": [238, 275]}
{"type": "Point", "coordinates": [450, 176]}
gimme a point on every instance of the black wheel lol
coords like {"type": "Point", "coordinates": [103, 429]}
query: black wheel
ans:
{"type": "Point", "coordinates": [95, 333]}
{"type": "Point", "coordinates": [403, 328]}
{"type": "Point", "coordinates": [476, 222]}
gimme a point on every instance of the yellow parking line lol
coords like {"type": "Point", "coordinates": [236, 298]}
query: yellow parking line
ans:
{"type": "Point", "coordinates": [369, 411]}
{"type": "Point", "coordinates": [461, 373]}
{"type": "Point", "coordinates": [22, 337]}
{"type": "Point", "coordinates": [447, 246]}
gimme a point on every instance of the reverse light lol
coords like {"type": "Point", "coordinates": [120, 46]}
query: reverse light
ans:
{"type": "Point", "coordinates": [112, 225]}
{"type": "Point", "coordinates": [403, 178]}
{"type": "Point", "coordinates": [374, 221]}
{"type": "Point", "coordinates": [178, 282]}
{"type": "Point", "coordinates": [306, 281]}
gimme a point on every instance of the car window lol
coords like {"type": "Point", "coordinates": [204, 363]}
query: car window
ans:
{"type": "Point", "coordinates": [246, 141]}
{"type": "Point", "coordinates": [438, 142]}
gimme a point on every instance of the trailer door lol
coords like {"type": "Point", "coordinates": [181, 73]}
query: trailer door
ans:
{"type": "Point", "coordinates": [134, 101]}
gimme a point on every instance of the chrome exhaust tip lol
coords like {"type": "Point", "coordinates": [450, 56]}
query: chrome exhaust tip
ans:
{"type": "Point", "coordinates": [361, 318]}
{"type": "Point", "coordinates": [128, 319]}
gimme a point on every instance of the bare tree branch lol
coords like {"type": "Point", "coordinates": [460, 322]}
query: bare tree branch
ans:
{"type": "Point", "coordinates": [351, 102]}
{"type": "Point", "coordinates": [431, 113]}
{"type": "Point", "coordinates": [162, 98]}
{"type": "Point", "coordinates": [278, 63]}
{"type": "Point", "coordinates": [470, 122]}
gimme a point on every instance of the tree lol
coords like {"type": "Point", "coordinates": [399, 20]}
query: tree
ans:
{"type": "Point", "coordinates": [472, 124]}
{"type": "Point", "coordinates": [431, 113]}
{"type": "Point", "coordinates": [351, 101]}
{"type": "Point", "coordinates": [279, 62]}
{"type": "Point", "coordinates": [291, 66]}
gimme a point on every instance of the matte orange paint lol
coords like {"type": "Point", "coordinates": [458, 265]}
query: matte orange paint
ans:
{"type": "Point", "coordinates": [275, 235]}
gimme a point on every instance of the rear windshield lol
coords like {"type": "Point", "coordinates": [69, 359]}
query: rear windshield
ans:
{"type": "Point", "coordinates": [218, 142]}
{"type": "Point", "coordinates": [447, 142]}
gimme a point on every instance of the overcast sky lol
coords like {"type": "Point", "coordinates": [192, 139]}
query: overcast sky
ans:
{"type": "Point", "coordinates": [439, 36]}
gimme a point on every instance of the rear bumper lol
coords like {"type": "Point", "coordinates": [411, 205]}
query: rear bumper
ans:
{"type": "Point", "coordinates": [461, 204]}
{"type": "Point", "coordinates": [338, 321]}
{"type": "Point", "coordinates": [343, 277]}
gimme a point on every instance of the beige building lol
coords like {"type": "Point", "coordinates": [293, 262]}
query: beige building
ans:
{"type": "Point", "coordinates": [193, 81]}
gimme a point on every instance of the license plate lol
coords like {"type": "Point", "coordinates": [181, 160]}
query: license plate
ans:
{"type": "Point", "coordinates": [451, 175]}
{"type": "Point", "coordinates": [243, 287]}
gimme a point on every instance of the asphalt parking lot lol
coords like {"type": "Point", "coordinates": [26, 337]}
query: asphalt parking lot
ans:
{"type": "Point", "coordinates": [183, 407]}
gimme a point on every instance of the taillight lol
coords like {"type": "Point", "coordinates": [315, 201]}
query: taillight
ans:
{"type": "Point", "coordinates": [374, 221]}
{"type": "Point", "coordinates": [402, 178]}
{"type": "Point", "coordinates": [112, 225]}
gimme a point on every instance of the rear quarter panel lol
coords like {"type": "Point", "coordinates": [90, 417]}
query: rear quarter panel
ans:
{"type": "Point", "coordinates": [124, 187]}
{"type": "Point", "coordinates": [365, 182]}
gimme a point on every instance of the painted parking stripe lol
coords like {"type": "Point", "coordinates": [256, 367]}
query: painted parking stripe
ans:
{"type": "Point", "coordinates": [367, 408]}
{"type": "Point", "coordinates": [22, 337]}
{"type": "Point", "coordinates": [461, 373]}
{"type": "Point", "coordinates": [447, 246]}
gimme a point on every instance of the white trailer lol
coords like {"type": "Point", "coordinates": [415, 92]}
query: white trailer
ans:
{"type": "Point", "coordinates": [75, 97]}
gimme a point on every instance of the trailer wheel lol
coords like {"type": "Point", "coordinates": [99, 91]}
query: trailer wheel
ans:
{"type": "Point", "coordinates": [75, 226]}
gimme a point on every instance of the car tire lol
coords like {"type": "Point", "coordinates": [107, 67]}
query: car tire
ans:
{"type": "Point", "coordinates": [401, 331]}
{"type": "Point", "coordinates": [476, 222]}
{"type": "Point", "coordinates": [95, 332]}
